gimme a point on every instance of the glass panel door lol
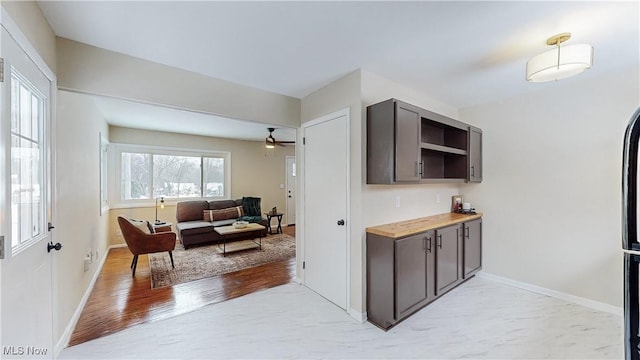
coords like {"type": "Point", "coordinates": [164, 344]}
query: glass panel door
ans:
{"type": "Point", "coordinates": [27, 163]}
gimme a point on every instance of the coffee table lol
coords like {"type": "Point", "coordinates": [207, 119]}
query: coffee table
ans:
{"type": "Point", "coordinates": [252, 230]}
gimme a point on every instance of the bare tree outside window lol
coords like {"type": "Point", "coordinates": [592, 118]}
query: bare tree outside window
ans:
{"type": "Point", "coordinates": [176, 176]}
{"type": "Point", "coordinates": [136, 176]}
{"type": "Point", "coordinates": [213, 174]}
{"type": "Point", "coordinates": [149, 176]}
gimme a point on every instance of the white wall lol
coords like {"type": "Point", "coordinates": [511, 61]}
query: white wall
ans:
{"type": "Point", "coordinates": [79, 224]}
{"type": "Point", "coordinates": [29, 18]}
{"type": "Point", "coordinates": [255, 170]}
{"type": "Point", "coordinates": [551, 192]}
{"type": "Point", "coordinates": [92, 70]}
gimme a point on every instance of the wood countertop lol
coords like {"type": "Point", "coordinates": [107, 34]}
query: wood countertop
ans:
{"type": "Point", "coordinates": [414, 226]}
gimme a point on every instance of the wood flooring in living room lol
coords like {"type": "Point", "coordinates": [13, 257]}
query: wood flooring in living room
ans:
{"type": "Point", "coordinates": [119, 301]}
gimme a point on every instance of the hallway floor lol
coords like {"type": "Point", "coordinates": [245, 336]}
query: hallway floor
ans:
{"type": "Point", "coordinates": [481, 319]}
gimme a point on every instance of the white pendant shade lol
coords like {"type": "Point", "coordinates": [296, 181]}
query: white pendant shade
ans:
{"type": "Point", "coordinates": [548, 66]}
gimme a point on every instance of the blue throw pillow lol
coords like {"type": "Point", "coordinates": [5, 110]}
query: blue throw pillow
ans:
{"type": "Point", "coordinates": [251, 206]}
{"type": "Point", "coordinates": [251, 219]}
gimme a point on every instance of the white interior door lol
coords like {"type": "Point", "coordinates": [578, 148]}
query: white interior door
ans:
{"type": "Point", "coordinates": [290, 216]}
{"type": "Point", "coordinates": [25, 205]}
{"type": "Point", "coordinates": [325, 208]}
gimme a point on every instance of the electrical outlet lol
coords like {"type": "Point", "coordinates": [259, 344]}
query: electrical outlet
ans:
{"type": "Point", "coordinates": [87, 262]}
{"type": "Point", "coordinates": [118, 233]}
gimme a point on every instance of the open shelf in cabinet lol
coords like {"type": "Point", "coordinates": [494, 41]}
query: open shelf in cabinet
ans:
{"type": "Point", "coordinates": [444, 149]}
{"type": "Point", "coordinates": [443, 165]}
{"type": "Point", "coordinates": [436, 133]}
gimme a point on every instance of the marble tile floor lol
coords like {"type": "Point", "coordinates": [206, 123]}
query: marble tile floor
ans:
{"type": "Point", "coordinates": [481, 319]}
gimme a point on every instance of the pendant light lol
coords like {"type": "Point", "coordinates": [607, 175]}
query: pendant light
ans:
{"type": "Point", "coordinates": [561, 62]}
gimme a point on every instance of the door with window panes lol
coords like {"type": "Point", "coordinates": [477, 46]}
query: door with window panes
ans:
{"type": "Point", "coordinates": [26, 315]}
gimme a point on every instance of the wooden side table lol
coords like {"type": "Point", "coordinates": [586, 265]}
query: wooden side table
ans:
{"type": "Point", "coordinates": [277, 216]}
{"type": "Point", "coordinates": [158, 228]}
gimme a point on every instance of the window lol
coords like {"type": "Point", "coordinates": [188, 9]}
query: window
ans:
{"type": "Point", "coordinates": [104, 202]}
{"type": "Point", "coordinates": [152, 173]}
{"type": "Point", "coordinates": [27, 163]}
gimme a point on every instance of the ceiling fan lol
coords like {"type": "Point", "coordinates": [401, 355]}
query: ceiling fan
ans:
{"type": "Point", "coordinates": [270, 142]}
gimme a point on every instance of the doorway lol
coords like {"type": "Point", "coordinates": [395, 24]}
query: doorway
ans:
{"type": "Point", "coordinates": [290, 215]}
{"type": "Point", "coordinates": [26, 290]}
{"type": "Point", "coordinates": [326, 206]}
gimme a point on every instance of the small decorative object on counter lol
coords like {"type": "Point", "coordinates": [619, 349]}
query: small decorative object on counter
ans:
{"type": "Point", "coordinates": [274, 210]}
{"type": "Point", "coordinates": [456, 203]}
{"type": "Point", "coordinates": [469, 211]}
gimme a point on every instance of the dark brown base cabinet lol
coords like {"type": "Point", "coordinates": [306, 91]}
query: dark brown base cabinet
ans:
{"type": "Point", "coordinates": [405, 274]}
{"type": "Point", "coordinates": [472, 247]}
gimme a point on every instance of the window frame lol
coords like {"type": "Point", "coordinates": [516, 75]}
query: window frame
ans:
{"type": "Point", "coordinates": [104, 173]}
{"type": "Point", "coordinates": [43, 142]}
{"type": "Point", "coordinates": [116, 149]}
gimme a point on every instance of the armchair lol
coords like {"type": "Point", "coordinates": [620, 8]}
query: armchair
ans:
{"type": "Point", "coordinates": [140, 242]}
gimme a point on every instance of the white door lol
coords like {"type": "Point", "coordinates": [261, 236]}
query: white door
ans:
{"type": "Point", "coordinates": [290, 216]}
{"type": "Point", "coordinates": [325, 208]}
{"type": "Point", "coordinates": [25, 205]}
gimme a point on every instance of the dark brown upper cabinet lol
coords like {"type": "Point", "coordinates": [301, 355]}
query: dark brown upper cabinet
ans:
{"type": "Point", "coordinates": [408, 144]}
{"type": "Point", "coordinates": [475, 154]}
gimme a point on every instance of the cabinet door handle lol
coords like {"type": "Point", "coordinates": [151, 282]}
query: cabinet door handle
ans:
{"type": "Point", "coordinates": [473, 170]}
{"type": "Point", "coordinates": [440, 241]}
{"type": "Point", "coordinates": [466, 232]}
{"type": "Point", "coordinates": [421, 168]}
{"type": "Point", "coordinates": [429, 244]}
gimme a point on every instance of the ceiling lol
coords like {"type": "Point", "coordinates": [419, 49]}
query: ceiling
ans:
{"type": "Point", "coordinates": [461, 53]}
{"type": "Point", "coordinates": [151, 117]}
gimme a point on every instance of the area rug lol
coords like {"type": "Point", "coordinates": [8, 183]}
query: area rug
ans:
{"type": "Point", "coordinates": [204, 261]}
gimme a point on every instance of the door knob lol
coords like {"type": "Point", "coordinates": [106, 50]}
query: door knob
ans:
{"type": "Point", "coordinates": [51, 246]}
{"type": "Point", "coordinates": [50, 226]}
{"type": "Point", "coordinates": [341, 222]}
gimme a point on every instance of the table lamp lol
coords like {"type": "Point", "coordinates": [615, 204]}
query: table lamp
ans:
{"type": "Point", "coordinates": [158, 222]}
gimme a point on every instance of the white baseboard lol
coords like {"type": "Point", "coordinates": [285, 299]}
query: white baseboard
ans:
{"type": "Point", "coordinates": [555, 294]}
{"type": "Point", "coordinates": [66, 336]}
{"type": "Point", "coordinates": [360, 317]}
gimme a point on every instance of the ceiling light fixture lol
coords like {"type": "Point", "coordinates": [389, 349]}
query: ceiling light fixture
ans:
{"type": "Point", "coordinates": [560, 62]}
{"type": "Point", "coordinates": [270, 142]}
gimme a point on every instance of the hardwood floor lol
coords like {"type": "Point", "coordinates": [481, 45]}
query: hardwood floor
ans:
{"type": "Point", "coordinates": [119, 301]}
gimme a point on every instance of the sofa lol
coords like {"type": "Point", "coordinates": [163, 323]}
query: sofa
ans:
{"type": "Point", "coordinates": [196, 219]}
